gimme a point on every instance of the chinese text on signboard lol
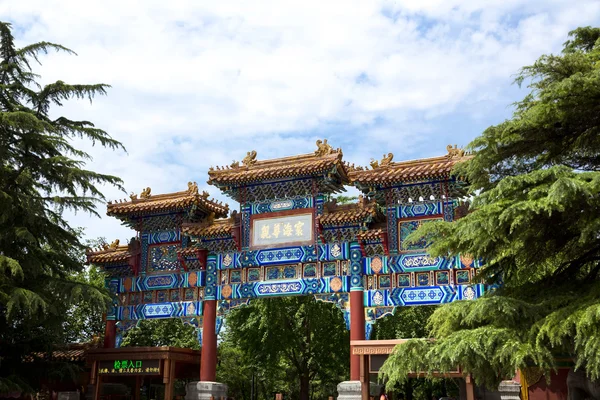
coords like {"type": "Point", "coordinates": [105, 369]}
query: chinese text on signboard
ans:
{"type": "Point", "coordinates": [280, 230]}
{"type": "Point", "coordinates": [129, 367]}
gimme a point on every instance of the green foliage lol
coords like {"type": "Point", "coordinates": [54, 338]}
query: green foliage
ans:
{"type": "Point", "coordinates": [295, 345]}
{"type": "Point", "coordinates": [236, 370]}
{"type": "Point", "coordinates": [407, 322]}
{"type": "Point", "coordinates": [535, 222]}
{"type": "Point", "coordinates": [341, 199]}
{"type": "Point", "coordinates": [84, 320]}
{"type": "Point", "coordinates": [41, 175]}
{"type": "Point", "coordinates": [162, 332]}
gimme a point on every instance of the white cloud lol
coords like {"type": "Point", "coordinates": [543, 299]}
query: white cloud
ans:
{"type": "Point", "coordinates": [199, 83]}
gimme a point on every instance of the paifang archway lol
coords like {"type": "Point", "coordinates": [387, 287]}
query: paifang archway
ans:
{"type": "Point", "coordinates": [192, 259]}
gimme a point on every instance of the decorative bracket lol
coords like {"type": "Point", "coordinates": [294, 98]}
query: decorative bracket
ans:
{"type": "Point", "coordinates": [181, 260]}
{"type": "Point", "coordinates": [384, 242]}
{"type": "Point", "coordinates": [361, 243]}
{"type": "Point", "coordinates": [320, 230]}
{"type": "Point", "coordinates": [236, 232]}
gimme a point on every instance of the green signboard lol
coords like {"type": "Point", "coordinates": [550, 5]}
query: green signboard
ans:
{"type": "Point", "coordinates": [129, 367]}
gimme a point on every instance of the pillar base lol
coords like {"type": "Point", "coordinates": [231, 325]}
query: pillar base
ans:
{"type": "Point", "coordinates": [509, 390]}
{"type": "Point", "coordinates": [204, 390]}
{"type": "Point", "coordinates": [89, 392]}
{"type": "Point", "coordinates": [349, 390]}
{"type": "Point", "coordinates": [68, 396]}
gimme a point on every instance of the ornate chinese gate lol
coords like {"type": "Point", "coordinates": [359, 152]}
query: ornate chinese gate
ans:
{"type": "Point", "coordinates": [193, 260]}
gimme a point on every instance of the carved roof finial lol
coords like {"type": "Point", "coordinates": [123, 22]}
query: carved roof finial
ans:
{"type": "Point", "coordinates": [323, 148]}
{"type": "Point", "coordinates": [235, 164]}
{"type": "Point", "coordinates": [374, 163]}
{"type": "Point", "coordinates": [454, 152]}
{"type": "Point", "coordinates": [386, 160]}
{"type": "Point", "coordinates": [192, 188]}
{"type": "Point", "coordinates": [132, 196]}
{"type": "Point", "coordinates": [210, 218]}
{"type": "Point", "coordinates": [114, 245]}
{"type": "Point", "coordinates": [145, 193]}
{"type": "Point", "coordinates": [250, 158]}
{"type": "Point", "coordinates": [362, 201]}
{"type": "Point", "coordinates": [233, 216]}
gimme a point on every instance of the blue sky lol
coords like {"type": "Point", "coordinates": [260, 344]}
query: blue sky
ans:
{"type": "Point", "coordinates": [197, 83]}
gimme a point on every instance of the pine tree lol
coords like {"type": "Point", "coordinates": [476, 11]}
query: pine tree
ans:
{"type": "Point", "coordinates": [42, 174]}
{"type": "Point", "coordinates": [535, 222]}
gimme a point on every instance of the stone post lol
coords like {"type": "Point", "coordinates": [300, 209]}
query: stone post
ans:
{"type": "Point", "coordinates": [349, 390]}
{"type": "Point", "coordinates": [509, 390]}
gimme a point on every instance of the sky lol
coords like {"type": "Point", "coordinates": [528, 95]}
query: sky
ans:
{"type": "Point", "coordinates": [196, 84]}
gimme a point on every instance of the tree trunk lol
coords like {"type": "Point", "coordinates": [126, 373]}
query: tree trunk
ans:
{"type": "Point", "coordinates": [408, 390]}
{"type": "Point", "coordinates": [304, 387]}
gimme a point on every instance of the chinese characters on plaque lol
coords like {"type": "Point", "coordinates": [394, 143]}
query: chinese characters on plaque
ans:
{"type": "Point", "coordinates": [280, 230]}
{"type": "Point", "coordinates": [128, 367]}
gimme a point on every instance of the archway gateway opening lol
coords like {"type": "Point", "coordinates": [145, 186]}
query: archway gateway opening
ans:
{"type": "Point", "coordinates": [192, 259]}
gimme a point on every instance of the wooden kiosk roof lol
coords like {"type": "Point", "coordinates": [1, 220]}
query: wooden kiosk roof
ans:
{"type": "Point", "coordinates": [145, 353]}
{"type": "Point", "coordinates": [166, 362]}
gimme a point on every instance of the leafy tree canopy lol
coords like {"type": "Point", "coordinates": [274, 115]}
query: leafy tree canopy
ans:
{"type": "Point", "coordinates": [295, 345]}
{"type": "Point", "coordinates": [162, 332]}
{"type": "Point", "coordinates": [535, 221]}
{"type": "Point", "coordinates": [41, 174]}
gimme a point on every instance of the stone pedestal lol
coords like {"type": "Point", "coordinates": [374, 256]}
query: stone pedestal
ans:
{"type": "Point", "coordinates": [68, 396]}
{"type": "Point", "coordinates": [374, 389]}
{"type": "Point", "coordinates": [349, 390]}
{"type": "Point", "coordinates": [89, 392]}
{"type": "Point", "coordinates": [204, 391]}
{"type": "Point", "coordinates": [509, 390]}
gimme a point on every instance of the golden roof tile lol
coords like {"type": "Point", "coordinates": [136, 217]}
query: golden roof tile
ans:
{"type": "Point", "coordinates": [188, 251]}
{"type": "Point", "coordinates": [372, 234]}
{"type": "Point", "coordinates": [388, 172]}
{"type": "Point", "coordinates": [147, 203]}
{"type": "Point", "coordinates": [322, 160]}
{"type": "Point", "coordinates": [219, 228]}
{"type": "Point", "coordinates": [349, 213]}
{"type": "Point", "coordinates": [109, 253]}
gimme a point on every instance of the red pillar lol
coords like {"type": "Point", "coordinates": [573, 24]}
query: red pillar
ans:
{"type": "Point", "coordinates": [208, 357]}
{"type": "Point", "coordinates": [110, 334]}
{"type": "Point", "coordinates": [357, 329]}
